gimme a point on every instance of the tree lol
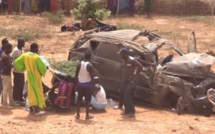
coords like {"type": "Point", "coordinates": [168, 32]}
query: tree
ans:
{"type": "Point", "coordinates": [89, 9]}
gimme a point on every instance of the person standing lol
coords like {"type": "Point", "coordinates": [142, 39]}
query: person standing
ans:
{"type": "Point", "coordinates": [34, 5]}
{"type": "Point", "coordinates": [35, 70]}
{"type": "Point", "coordinates": [4, 4]}
{"type": "Point", "coordinates": [4, 42]}
{"type": "Point", "coordinates": [19, 77]}
{"type": "Point", "coordinates": [10, 6]}
{"type": "Point", "coordinates": [84, 75]}
{"type": "Point", "coordinates": [130, 70]}
{"type": "Point", "coordinates": [27, 6]}
{"type": "Point", "coordinates": [6, 76]}
{"type": "Point", "coordinates": [53, 5]}
{"type": "Point", "coordinates": [131, 7]}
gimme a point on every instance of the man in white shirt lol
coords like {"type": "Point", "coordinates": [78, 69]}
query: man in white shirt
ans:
{"type": "Point", "coordinates": [98, 101]}
{"type": "Point", "coordinates": [84, 76]}
{"type": "Point", "coordinates": [19, 77]}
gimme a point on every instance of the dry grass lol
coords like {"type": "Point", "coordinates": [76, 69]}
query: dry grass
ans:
{"type": "Point", "coordinates": [121, 26]}
{"type": "Point", "coordinates": [203, 19]}
{"type": "Point", "coordinates": [54, 18]}
{"type": "Point", "coordinates": [24, 27]}
{"type": "Point", "coordinates": [40, 29]}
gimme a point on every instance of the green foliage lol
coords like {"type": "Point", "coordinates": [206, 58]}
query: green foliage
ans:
{"type": "Point", "coordinates": [54, 18]}
{"type": "Point", "coordinates": [67, 67]}
{"type": "Point", "coordinates": [89, 8]}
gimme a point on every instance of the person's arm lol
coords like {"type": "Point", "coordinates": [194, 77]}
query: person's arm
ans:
{"type": "Point", "coordinates": [14, 54]}
{"type": "Point", "coordinates": [90, 69]}
{"type": "Point", "coordinates": [19, 64]}
{"type": "Point", "coordinates": [138, 68]}
{"type": "Point", "coordinates": [55, 86]}
{"type": "Point", "coordinates": [7, 62]}
{"type": "Point", "coordinates": [78, 67]}
{"type": "Point", "coordinates": [41, 67]}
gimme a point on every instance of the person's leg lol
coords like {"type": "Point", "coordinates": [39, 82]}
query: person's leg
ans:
{"type": "Point", "coordinates": [1, 89]}
{"type": "Point", "coordinates": [5, 91]}
{"type": "Point", "coordinates": [75, 100]}
{"type": "Point", "coordinates": [80, 96]}
{"type": "Point", "coordinates": [95, 104]}
{"type": "Point", "coordinates": [1, 86]}
{"type": "Point", "coordinates": [10, 91]}
{"type": "Point", "coordinates": [15, 86]}
{"type": "Point", "coordinates": [128, 101]}
{"type": "Point", "coordinates": [121, 98]}
{"type": "Point", "coordinates": [131, 6]}
{"type": "Point", "coordinates": [21, 86]}
{"type": "Point", "coordinates": [52, 96]}
{"type": "Point", "coordinates": [20, 82]}
{"type": "Point", "coordinates": [88, 94]}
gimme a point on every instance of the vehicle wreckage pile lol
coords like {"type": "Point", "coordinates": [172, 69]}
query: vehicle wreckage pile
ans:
{"type": "Point", "coordinates": [185, 81]}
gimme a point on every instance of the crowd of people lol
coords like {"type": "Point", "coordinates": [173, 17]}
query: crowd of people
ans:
{"type": "Point", "coordinates": [85, 89]}
{"type": "Point", "coordinates": [28, 6]}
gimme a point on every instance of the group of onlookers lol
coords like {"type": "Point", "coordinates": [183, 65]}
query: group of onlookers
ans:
{"type": "Point", "coordinates": [20, 61]}
{"type": "Point", "coordinates": [61, 96]}
{"type": "Point", "coordinates": [63, 93]}
{"type": "Point", "coordinates": [8, 55]}
{"type": "Point", "coordinates": [38, 6]}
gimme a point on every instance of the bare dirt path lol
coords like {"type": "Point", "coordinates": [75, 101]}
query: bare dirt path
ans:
{"type": "Point", "coordinates": [55, 44]}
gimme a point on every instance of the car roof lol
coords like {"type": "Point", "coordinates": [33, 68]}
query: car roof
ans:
{"type": "Point", "coordinates": [127, 34]}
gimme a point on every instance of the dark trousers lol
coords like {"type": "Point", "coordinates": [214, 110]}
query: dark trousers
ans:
{"type": "Point", "coordinates": [19, 81]}
{"type": "Point", "coordinates": [128, 98]}
{"type": "Point", "coordinates": [1, 87]}
{"type": "Point", "coordinates": [121, 97]}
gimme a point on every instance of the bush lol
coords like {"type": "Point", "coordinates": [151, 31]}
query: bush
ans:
{"type": "Point", "coordinates": [67, 67]}
{"type": "Point", "coordinates": [89, 8]}
{"type": "Point", "coordinates": [54, 18]}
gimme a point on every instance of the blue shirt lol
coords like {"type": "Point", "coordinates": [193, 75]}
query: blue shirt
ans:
{"type": "Point", "coordinates": [1, 51]}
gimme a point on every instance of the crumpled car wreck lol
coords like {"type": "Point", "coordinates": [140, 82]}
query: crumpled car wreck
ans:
{"type": "Point", "coordinates": [174, 83]}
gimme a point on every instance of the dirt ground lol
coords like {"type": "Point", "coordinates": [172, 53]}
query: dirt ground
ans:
{"type": "Point", "coordinates": [54, 44]}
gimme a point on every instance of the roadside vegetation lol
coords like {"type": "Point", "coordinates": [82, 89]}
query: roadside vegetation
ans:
{"type": "Point", "coordinates": [67, 67]}
{"type": "Point", "coordinates": [89, 9]}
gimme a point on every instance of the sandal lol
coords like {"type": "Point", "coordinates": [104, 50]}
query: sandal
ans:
{"type": "Point", "coordinates": [88, 117]}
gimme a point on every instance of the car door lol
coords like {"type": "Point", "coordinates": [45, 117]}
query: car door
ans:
{"type": "Point", "coordinates": [108, 63]}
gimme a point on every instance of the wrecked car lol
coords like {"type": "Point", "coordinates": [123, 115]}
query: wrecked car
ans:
{"type": "Point", "coordinates": [155, 87]}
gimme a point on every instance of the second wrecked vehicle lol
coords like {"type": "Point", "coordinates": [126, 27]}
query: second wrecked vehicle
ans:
{"type": "Point", "coordinates": [162, 87]}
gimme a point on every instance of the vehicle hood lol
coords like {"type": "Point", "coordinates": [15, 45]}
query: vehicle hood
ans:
{"type": "Point", "coordinates": [196, 65]}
